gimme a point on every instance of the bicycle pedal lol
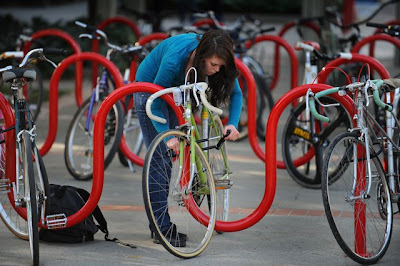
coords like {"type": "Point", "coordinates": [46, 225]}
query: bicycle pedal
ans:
{"type": "Point", "coordinates": [223, 183]}
{"type": "Point", "coordinates": [5, 185]}
{"type": "Point", "coordinates": [55, 221]}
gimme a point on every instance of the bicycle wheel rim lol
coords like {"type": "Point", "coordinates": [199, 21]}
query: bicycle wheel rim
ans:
{"type": "Point", "coordinates": [360, 230]}
{"type": "Point", "coordinates": [188, 209]}
{"type": "Point", "coordinates": [30, 197]}
{"type": "Point", "coordinates": [78, 153]}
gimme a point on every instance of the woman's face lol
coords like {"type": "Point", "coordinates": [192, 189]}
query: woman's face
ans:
{"type": "Point", "coordinates": [213, 64]}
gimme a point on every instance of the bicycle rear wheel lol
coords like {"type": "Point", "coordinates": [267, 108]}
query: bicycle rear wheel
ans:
{"type": "Point", "coordinates": [353, 213]}
{"type": "Point", "coordinates": [299, 142]}
{"type": "Point", "coordinates": [173, 202]}
{"type": "Point", "coordinates": [78, 153]}
{"type": "Point", "coordinates": [26, 170]}
{"type": "Point", "coordinates": [133, 135]}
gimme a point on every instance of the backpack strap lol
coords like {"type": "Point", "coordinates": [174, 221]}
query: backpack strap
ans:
{"type": "Point", "coordinates": [98, 215]}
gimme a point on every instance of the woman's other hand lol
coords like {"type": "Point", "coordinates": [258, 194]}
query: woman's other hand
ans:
{"type": "Point", "coordinates": [234, 135]}
{"type": "Point", "coordinates": [173, 144]}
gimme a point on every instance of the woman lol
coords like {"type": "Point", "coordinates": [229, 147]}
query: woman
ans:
{"type": "Point", "coordinates": [213, 57]}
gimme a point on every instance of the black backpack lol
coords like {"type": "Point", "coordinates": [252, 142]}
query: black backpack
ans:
{"type": "Point", "coordinates": [69, 200]}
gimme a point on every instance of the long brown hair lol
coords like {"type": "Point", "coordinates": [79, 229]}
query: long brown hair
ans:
{"type": "Point", "coordinates": [219, 43]}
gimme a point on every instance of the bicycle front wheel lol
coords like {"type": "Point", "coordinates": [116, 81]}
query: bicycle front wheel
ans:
{"type": "Point", "coordinates": [353, 202]}
{"type": "Point", "coordinates": [26, 170]}
{"type": "Point", "coordinates": [179, 196]}
{"type": "Point", "coordinates": [78, 153]}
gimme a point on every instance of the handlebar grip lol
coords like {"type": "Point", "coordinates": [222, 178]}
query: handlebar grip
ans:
{"type": "Point", "coordinates": [89, 28]}
{"type": "Point", "coordinates": [150, 101]}
{"type": "Point", "coordinates": [316, 114]}
{"type": "Point", "coordinates": [208, 105]}
{"type": "Point", "coordinates": [304, 46]}
{"type": "Point", "coordinates": [54, 51]}
{"type": "Point", "coordinates": [312, 104]}
{"type": "Point", "coordinates": [376, 25]}
{"type": "Point", "coordinates": [378, 100]}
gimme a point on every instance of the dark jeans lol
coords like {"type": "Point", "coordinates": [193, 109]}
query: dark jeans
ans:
{"type": "Point", "coordinates": [158, 200]}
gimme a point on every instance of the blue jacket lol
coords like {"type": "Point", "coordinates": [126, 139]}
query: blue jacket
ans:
{"type": "Point", "coordinates": [165, 66]}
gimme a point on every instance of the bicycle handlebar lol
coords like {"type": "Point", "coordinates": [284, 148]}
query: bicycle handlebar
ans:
{"type": "Point", "coordinates": [42, 52]}
{"type": "Point", "coordinates": [102, 34]}
{"type": "Point", "coordinates": [375, 84]}
{"type": "Point", "coordinates": [200, 86]}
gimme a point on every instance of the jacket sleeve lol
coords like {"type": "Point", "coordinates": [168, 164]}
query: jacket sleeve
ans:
{"type": "Point", "coordinates": [235, 105]}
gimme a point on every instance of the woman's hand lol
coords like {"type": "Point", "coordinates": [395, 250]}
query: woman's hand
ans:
{"type": "Point", "coordinates": [234, 135]}
{"type": "Point", "coordinates": [174, 145]}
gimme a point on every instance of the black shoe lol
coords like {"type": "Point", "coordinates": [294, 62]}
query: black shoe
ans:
{"type": "Point", "coordinates": [173, 236]}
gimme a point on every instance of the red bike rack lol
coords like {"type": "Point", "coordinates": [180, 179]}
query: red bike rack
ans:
{"type": "Point", "coordinates": [374, 64]}
{"type": "Point", "coordinates": [76, 49]}
{"type": "Point", "coordinates": [371, 41]}
{"type": "Point", "coordinates": [153, 37]}
{"type": "Point", "coordinates": [279, 41]}
{"type": "Point", "coordinates": [307, 24]}
{"type": "Point", "coordinates": [95, 43]}
{"type": "Point", "coordinates": [270, 159]}
{"type": "Point", "coordinates": [372, 45]}
{"type": "Point", "coordinates": [10, 163]}
{"type": "Point", "coordinates": [98, 143]}
{"type": "Point", "coordinates": [54, 82]}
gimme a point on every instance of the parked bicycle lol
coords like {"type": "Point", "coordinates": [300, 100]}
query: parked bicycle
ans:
{"type": "Point", "coordinates": [78, 152]}
{"type": "Point", "coordinates": [357, 191]}
{"type": "Point", "coordinates": [26, 191]}
{"type": "Point", "coordinates": [302, 135]}
{"type": "Point", "coordinates": [193, 201]}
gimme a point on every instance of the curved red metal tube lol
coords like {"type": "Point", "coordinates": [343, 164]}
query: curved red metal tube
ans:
{"type": "Point", "coordinates": [95, 43]}
{"type": "Point", "coordinates": [76, 49]}
{"type": "Point", "coordinates": [372, 44]}
{"type": "Point", "coordinates": [307, 24]}
{"type": "Point", "coordinates": [54, 82]}
{"type": "Point", "coordinates": [98, 143]}
{"type": "Point", "coordinates": [371, 41]}
{"type": "Point", "coordinates": [279, 41]}
{"type": "Point", "coordinates": [153, 37]}
{"type": "Point", "coordinates": [374, 64]}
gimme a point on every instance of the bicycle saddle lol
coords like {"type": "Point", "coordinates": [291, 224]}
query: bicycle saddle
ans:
{"type": "Point", "coordinates": [15, 73]}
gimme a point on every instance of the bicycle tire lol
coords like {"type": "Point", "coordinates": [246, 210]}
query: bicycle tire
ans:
{"type": "Point", "coordinates": [133, 136]}
{"type": "Point", "coordinates": [79, 144]}
{"type": "Point", "coordinates": [30, 196]}
{"type": "Point", "coordinates": [183, 203]}
{"type": "Point", "coordinates": [218, 160]}
{"type": "Point", "coordinates": [298, 142]}
{"type": "Point", "coordinates": [363, 213]}
{"type": "Point", "coordinates": [265, 103]}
